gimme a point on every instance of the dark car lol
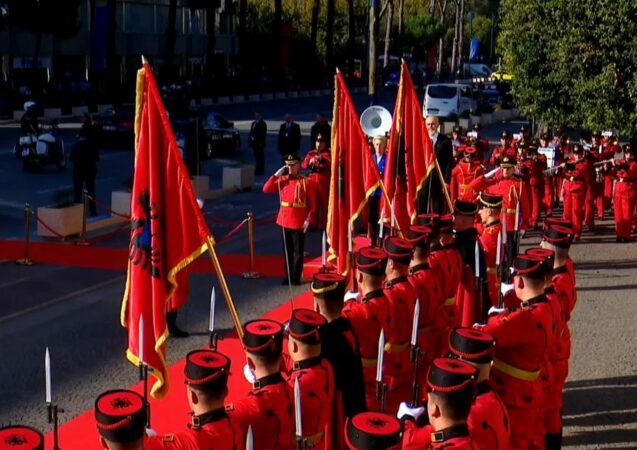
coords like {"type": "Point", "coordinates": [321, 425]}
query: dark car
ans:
{"type": "Point", "coordinates": [221, 136]}
{"type": "Point", "coordinates": [117, 125]}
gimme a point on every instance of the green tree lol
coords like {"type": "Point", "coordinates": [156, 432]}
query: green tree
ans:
{"type": "Point", "coordinates": [420, 33]}
{"type": "Point", "coordinates": [579, 70]}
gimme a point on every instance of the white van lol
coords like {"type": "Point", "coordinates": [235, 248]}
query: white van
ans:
{"type": "Point", "coordinates": [447, 99]}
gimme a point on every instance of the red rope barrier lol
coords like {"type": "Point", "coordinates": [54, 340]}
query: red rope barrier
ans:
{"type": "Point", "coordinates": [45, 225]}
{"type": "Point", "coordinates": [234, 231]}
{"type": "Point", "coordinates": [107, 208]}
{"type": "Point", "coordinates": [218, 219]}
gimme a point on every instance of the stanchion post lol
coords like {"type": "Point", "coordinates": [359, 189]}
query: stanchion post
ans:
{"type": "Point", "coordinates": [26, 261]}
{"type": "Point", "coordinates": [251, 274]}
{"type": "Point", "coordinates": [83, 240]}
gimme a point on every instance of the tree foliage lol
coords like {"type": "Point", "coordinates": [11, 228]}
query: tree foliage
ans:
{"type": "Point", "coordinates": [574, 62]}
{"type": "Point", "coordinates": [421, 32]}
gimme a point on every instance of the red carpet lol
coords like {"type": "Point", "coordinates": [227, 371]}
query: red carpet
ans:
{"type": "Point", "coordinates": [92, 257]}
{"type": "Point", "coordinates": [171, 413]}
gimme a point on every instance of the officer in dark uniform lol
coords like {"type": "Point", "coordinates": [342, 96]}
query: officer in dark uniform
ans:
{"type": "Point", "coordinates": [322, 127]}
{"type": "Point", "coordinates": [258, 133]}
{"type": "Point", "coordinates": [315, 376]}
{"type": "Point", "coordinates": [269, 407]}
{"type": "Point", "coordinates": [488, 420]}
{"type": "Point", "coordinates": [339, 343]}
{"type": "Point", "coordinates": [120, 416]}
{"type": "Point", "coordinates": [206, 376]}
{"type": "Point", "coordinates": [373, 431]}
{"type": "Point", "coordinates": [20, 437]}
{"type": "Point", "coordinates": [451, 389]}
{"type": "Point", "coordinates": [84, 156]}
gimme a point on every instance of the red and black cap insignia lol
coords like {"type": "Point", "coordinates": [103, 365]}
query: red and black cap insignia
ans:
{"type": "Point", "coordinates": [558, 236]}
{"type": "Point", "coordinates": [329, 286]}
{"type": "Point", "coordinates": [291, 160]}
{"type": "Point", "coordinates": [120, 415]}
{"type": "Point", "coordinates": [488, 200]}
{"type": "Point", "coordinates": [372, 261]}
{"type": "Point", "coordinates": [372, 431]}
{"type": "Point", "coordinates": [431, 220]}
{"type": "Point", "coordinates": [398, 249]}
{"type": "Point", "coordinates": [263, 337]}
{"type": "Point", "coordinates": [471, 345]}
{"type": "Point", "coordinates": [450, 375]}
{"type": "Point", "coordinates": [547, 255]}
{"type": "Point", "coordinates": [305, 326]}
{"type": "Point", "coordinates": [465, 208]}
{"type": "Point", "coordinates": [207, 370]}
{"type": "Point", "coordinates": [530, 267]}
{"type": "Point", "coordinates": [419, 235]}
{"type": "Point", "coordinates": [508, 161]}
{"type": "Point", "coordinates": [20, 437]}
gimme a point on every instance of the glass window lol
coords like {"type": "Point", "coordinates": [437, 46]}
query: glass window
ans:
{"type": "Point", "coordinates": [437, 91]}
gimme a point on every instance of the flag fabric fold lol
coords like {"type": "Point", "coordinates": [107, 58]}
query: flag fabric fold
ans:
{"type": "Point", "coordinates": [354, 176]}
{"type": "Point", "coordinates": [168, 232]}
{"type": "Point", "coordinates": [410, 156]}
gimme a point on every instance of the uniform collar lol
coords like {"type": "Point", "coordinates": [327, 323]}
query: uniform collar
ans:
{"type": "Point", "coordinates": [550, 290]}
{"type": "Point", "coordinates": [560, 270]}
{"type": "Point", "coordinates": [268, 380]}
{"type": "Point", "coordinates": [215, 415]}
{"type": "Point", "coordinates": [397, 280]}
{"type": "Point", "coordinates": [535, 300]}
{"type": "Point", "coordinates": [419, 267]}
{"type": "Point", "coordinates": [483, 387]}
{"type": "Point", "coordinates": [372, 295]}
{"type": "Point", "coordinates": [492, 224]}
{"type": "Point", "coordinates": [307, 363]}
{"type": "Point", "coordinates": [454, 431]}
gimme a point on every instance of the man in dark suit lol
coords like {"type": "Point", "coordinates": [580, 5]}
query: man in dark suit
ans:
{"type": "Point", "coordinates": [433, 189]}
{"type": "Point", "coordinates": [258, 132]}
{"type": "Point", "coordinates": [289, 137]}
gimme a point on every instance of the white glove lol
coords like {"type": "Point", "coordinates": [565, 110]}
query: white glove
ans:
{"type": "Point", "coordinates": [306, 225]}
{"type": "Point", "coordinates": [351, 295]}
{"type": "Point", "coordinates": [150, 432]}
{"type": "Point", "coordinates": [405, 411]}
{"type": "Point", "coordinates": [280, 172]}
{"type": "Point", "coordinates": [248, 374]}
{"type": "Point", "coordinates": [492, 173]}
{"type": "Point", "coordinates": [495, 310]}
{"type": "Point", "coordinates": [200, 203]}
{"type": "Point", "coordinates": [504, 288]}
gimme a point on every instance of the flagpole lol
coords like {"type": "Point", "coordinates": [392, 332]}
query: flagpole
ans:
{"type": "Point", "coordinates": [444, 185]}
{"type": "Point", "coordinates": [224, 288]}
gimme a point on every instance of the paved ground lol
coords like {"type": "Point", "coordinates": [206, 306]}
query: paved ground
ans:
{"type": "Point", "coordinates": [74, 311]}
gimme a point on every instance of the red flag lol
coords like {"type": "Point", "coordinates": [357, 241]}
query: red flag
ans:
{"type": "Point", "coordinates": [409, 144]}
{"type": "Point", "coordinates": [354, 175]}
{"type": "Point", "coordinates": [167, 231]}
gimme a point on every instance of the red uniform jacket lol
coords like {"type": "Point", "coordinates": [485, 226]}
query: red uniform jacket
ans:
{"type": "Point", "coordinates": [461, 177]}
{"type": "Point", "coordinates": [522, 339]}
{"type": "Point", "coordinates": [489, 421]}
{"type": "Point", "coordinates": [512, 190]}
{"type": "Point", "coordinates": [489, 240]}
{"type": "Point", "coordinates": [217, 430]}
{"type": "Point", "coordinates": [564, 287]}
{"type": "Point", "coordinates": [625, 176]}
{"type": "Point", "coordinates": [319, 164]}
{"type": "Point", "coordinates": [499, 153]}
{"type": "Point", "coordinates": [298, 199]}
{"type": "Point", "coordinates": [368, 317]}
{"type": "Point", "coordinates": [576, 180]}
{"type": "Point", "coordinates": [429, 293]}
{"type": "Point", "coordinates": [447, 263]}
{"type": "Point", "coordinates": [415, 438]}
{"type": "Point", "coordinates": [269, 410]}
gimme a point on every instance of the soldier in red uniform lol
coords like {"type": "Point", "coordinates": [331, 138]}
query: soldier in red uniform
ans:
{"type": "Point", "coordinates": [339, 345]}
{"type": "Point", "coordinates": [451, 391]}
{"type": "Point", "coordinates": [489, 207]}
{"type": "Point", "coordinates": [21, 437]}
{"type": "Point", "coordinates": [120, 416]}
{"type": "Point", "coordinates": [480, 143]}
{"type": "Point", "coordinates": [512, 188]}
{"type": "Point", "coordinates": [206, 375]}
{"type": "Point", "coordinates": [458, 141]}
{"type": "Point", "coordinates": [504, 149]}
{"type": "Point", "coordinates": [558, 239]}
{"type": "Point", "coordinates": [532, 166]}
{"type": "Point", "coordinates": [625, 173]}
{"type": "Point", "coordinates": [428, 291]}
{"type": "Point", "coordinates": [595, 191]}
{"type": "Point", "coordinates": [269, 407]}
{"type": "Point", "coordinates": [369, 314]}
{"type": "Point", "coordinates": [612, 150]}
{"type": "Point", "coordinates": [548, 195]}
{"type": "Point", "coordinates": [315, 376]}
{"type": "Point", "coordinates": [446, 262]}
{"type": "Point", "coordinates": [297, 195]}
{"type": "Point", "coordinates": [401, 297]}
{"type": "Point", "coordinates": [522, 337]}
{"type": "Point", "coordinates": [463, 174]}
{"type": "Point", "coordinates": [489, 419]}
{"type": "Point", "coordinates": [373, 431]}
{"type": "Point", "coordinates": [577, 174]}
{"type": "Point", "coordinates": [318, 162]}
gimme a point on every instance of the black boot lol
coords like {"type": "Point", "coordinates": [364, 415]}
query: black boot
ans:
{"type": "Point", "coordinates": [173, 329]}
